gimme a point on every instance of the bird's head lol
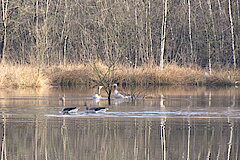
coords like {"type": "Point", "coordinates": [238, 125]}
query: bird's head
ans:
{"type": "Point", "coordinates": [62, 98]}
{"type": "Point", "coordinates": [86, 105]}
{"type": "Point", "coordinates": [115, 85]}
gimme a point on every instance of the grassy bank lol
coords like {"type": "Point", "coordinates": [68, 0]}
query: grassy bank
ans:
{"type": "Point", "coordinates": [22, 76]}
{"type": "Point", "coordinates": [30, 76]}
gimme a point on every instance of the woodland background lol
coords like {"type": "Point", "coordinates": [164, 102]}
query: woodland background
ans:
{"type": "Point", "coordinates": [133, 32]}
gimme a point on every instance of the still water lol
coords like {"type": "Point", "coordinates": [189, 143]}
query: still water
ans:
{"type": "Point", "coordinates": [175, 123]}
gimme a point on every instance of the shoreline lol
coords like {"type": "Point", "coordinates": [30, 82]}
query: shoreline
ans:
{"type": "Point", "coordinates": [23, 76]}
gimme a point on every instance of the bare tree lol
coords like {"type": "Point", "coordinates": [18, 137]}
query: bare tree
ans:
{"type": "Point", "coordinates": [5, 22]}
{"type": "Point", "coordinates": [105, 77]}
{"type": "Point", "coordinates": [163, 33]}
{"type": "Point", "coordinates": [211, 23]}
{"type": "Point", "coordinates": [190, 29]}
{"type": "Point", "coordinates": [50, 32]}
{"type": "Point", "coordinates": [232, 34]}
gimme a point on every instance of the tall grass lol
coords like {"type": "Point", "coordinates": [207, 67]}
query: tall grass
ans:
{"type": "Point", "coordinates": [144, 75]}
{"type": "Point", "coordinates": [70, 75]}
{"type": "Point", "coordinates": [21, 76]}
{"type": "Point", "coordinates": [170, 75]}
{"type": "Point", "coordinates": [84, 74]}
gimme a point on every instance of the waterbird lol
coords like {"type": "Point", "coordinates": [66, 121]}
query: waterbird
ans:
{"type": "Point", "coordinates": [95, 109]}
{"type": "Point", "coordinates": [67, 110]}
{"type": "Point", "coordinates": [97, 95]}
{"type": "Point", "coordinates": [237, 84]}
{"type": "Point", "coordinates": [162, 99]}
{"type": "Point", "coordinates": [118, 95]}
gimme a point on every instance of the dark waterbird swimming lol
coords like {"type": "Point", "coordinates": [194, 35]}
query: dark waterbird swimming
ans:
{"type": "Point", "coordinates": [95, 109]}
{"type": "Point", "coordinates": [67, 110]}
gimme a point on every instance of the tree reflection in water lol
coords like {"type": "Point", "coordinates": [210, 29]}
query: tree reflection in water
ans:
{"type": "Point", "coordinates": [70, 138]}
{"type": "Point", "coordinates": [206, 128]}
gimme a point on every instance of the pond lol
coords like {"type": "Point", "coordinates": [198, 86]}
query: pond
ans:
{"type": "Point", "coordinates": [162, 123]}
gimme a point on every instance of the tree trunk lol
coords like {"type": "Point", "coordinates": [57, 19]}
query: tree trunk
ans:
{"type": "Point", "coordinates": [37, 33]}
{"type": "Point", "coordinates": [232, 34]}
{"type": "Point", "coordinates": [62, 59]}
{"type": "Point", "coordinates": [213, 44]}
{"type": "Point", "coordinates": [163, 34]}
{"type": "Point", "coordinates": [4, 44]}
{"type": "Point", "coordinates": [208, 37]}
{"type": "Point", "coordinates": [4, 19]}
{"type": "Point", "coordinates": [190, 31]}
{"type": "Point", "coordinates": [209, 55]}
{"type": "Point", "coordinates": [109, 96]}
{"type": "Point", "coordinates": [146, 44]}
{"type": "Point", "coordinates": [136, 49]}
{"type": "Point", "coordinates": [150, 35]}
{"type": "Point", "coordinates": [65, 51]}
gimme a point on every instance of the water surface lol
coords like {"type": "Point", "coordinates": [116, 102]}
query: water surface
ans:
{"type": "Point", "coordinates": [188, 123]}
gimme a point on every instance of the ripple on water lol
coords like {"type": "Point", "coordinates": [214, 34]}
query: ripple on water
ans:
{"type": "Point", "coordinates": [154, 114]}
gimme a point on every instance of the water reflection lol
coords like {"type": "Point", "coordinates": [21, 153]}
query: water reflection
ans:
{"type": "Point", "coordinates": [120, 139]}
{"type": "Point", "coordinates": [181, 125]}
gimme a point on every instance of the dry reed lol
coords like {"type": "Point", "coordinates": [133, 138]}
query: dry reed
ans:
{"type": "Point", "coordinates": [69, 75]}
{"type": "Point", "coordinates": [21, 76]}
{"type": "Point", "coordinates": [84, 74]}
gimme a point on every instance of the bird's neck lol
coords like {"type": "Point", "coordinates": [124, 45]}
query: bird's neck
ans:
{"type": "Point", "coordinates": [115, 91]}
{"type": "Point", "coordinates": [63, 103]}
{"type": "Point", "coordinates": [99, 89]}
